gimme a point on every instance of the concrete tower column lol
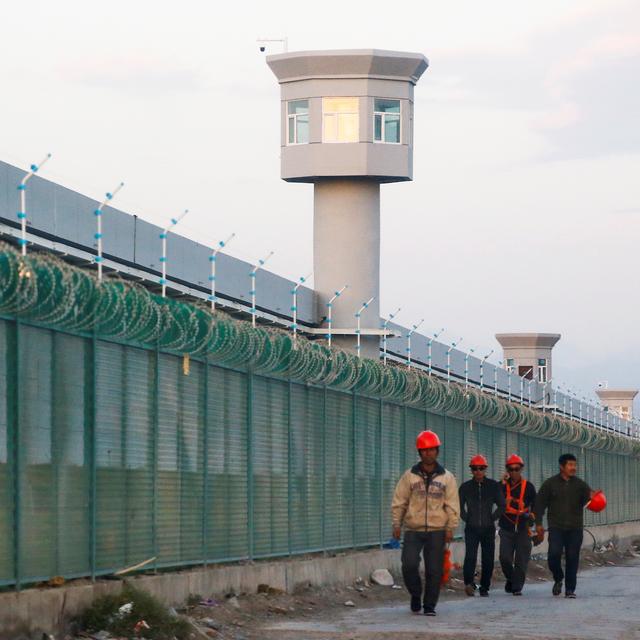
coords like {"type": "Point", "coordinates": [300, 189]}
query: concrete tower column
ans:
{"type": "Point", "coordinates": [346, 250]}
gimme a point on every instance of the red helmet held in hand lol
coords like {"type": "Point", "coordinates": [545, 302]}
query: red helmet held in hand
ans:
{"type": "Point", "coordinates": [478, 461]}
{"type": "Point", "coordinates": [597, 503]}
{"type": "Point", "coordinates": [427, 440]}
{"type": "Point", "coordinates": [514, 458]}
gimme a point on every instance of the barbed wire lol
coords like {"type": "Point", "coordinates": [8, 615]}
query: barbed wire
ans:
{"type": "Point", "coordinates": [45, 289]}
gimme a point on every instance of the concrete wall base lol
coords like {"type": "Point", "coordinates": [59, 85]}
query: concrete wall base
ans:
{"type": "Point", "coordinates": [48, 610]}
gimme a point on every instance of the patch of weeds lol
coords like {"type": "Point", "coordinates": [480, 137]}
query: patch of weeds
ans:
{"type": "Point", "coordinates": [193, 599]}
{"type": "Point", "coordinates": [104, 614]}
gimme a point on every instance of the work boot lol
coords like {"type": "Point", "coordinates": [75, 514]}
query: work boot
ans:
{"type": "Point", "coordinates": [470, 589]}
{"type": "Point", "coordinates": [557, 588]}
{"type": "Point", "coordinates": [569, 594]}
{"type": "Point", "coordinates": [429, 611]}
{"type": "Point", "coordinates": [416, 605]}
{"type": "Point", "coordinates": [507, 587]}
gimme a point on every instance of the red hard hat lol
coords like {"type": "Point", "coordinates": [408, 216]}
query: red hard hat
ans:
{"type": "Point", "coordinates": [514, 458]}
{"type": "Point", "coordinates": [478, 461]}
{"type": "Point", "coordinates": [597, 503]}
{"type": "Point", "coordinates": [427, 440]}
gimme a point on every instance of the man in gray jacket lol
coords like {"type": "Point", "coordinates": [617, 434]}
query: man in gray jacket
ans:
{"type": "Point", "coordinates": [426, 504]}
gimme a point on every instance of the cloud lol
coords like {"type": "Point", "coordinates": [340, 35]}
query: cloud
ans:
{"type": "Point", "coordinates": [598, 99]}
{"type": "Point", "coordinates": [134, 75]}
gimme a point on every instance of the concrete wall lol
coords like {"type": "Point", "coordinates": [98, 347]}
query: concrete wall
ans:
{"type": "Point", "coordinates": [49, 609]}
{"type": "Point", "coordinates": [65, 216]}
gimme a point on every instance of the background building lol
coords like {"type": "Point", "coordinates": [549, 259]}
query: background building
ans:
{"type": "Point", "coordinates": [618, 401]}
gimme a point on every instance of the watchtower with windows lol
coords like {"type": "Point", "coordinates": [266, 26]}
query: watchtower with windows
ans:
{"type": "Point", "coordinates": [347, 127]}
{"type": "Point", "coordinates": [618, 401]}
{"type": "Point", "coordinates": [528, 354]}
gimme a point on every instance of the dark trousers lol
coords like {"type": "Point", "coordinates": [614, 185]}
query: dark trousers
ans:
{"type": "Point", "coordinates": [431, 546]}
{"type": "Point", "coordinates": [515, 551]}
{"type": "Point", "coordinates": [569, 541]}
{"type": "Point", "coordinates": [486, 539]}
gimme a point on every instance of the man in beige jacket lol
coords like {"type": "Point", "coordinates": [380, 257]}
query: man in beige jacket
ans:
{"type": "Point", "coordinates": [426, 504]}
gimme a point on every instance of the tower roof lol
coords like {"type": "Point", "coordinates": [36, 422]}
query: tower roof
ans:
{"type": "Point", "coordinates": [348, 63]}
{"type": "Point", "coordinates": [547, 340]}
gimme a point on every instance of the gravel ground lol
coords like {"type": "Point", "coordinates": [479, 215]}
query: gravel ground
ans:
{"type": "Point", "coordinates": [607, 607]}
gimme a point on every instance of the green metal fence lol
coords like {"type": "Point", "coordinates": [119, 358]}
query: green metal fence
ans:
{"type": "Point", "coordinates": [112, 453]}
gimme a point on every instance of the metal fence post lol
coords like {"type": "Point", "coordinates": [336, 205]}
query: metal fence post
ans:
{"type": "Point", "coordinates": [154, 460]}
{"type": "Point", "coordinates": [124, 427]}
{"type": "Point", "coordinates": [353, 469]}
{"type": "Point", "coordinates": [289, 464]}
{"type": "Point", "coordinates": [379, 470]}
{"type": "Point", "coordinates": [205, 462]}
{"type": "Point", "coordinates": [404, 436]}
{"type": "Point", "coordinates": [324, 468]}
{"type": "Point", "coordinates": [13, 407]}
{"type": "Point", "coordinates": [93, 478]}
{"type": "Point", "coordinates": [250, 488]}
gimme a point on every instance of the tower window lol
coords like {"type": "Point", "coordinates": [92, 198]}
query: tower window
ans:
{"type": "Point", "coordinates": [340, 120]}
{"type": "Point", "coordinates": [386, 121]}
{"type": "Point", "coordinates": [542, 370]}
{"type": "Point", "coordinates": [298, 122]}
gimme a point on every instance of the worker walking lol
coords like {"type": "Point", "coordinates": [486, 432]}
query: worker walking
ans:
{"type": "Point", "coordinates": [515, 541]}
{"type": "Point", "coordinates": [564, 497]}
{"type": "Point", "coordinates": [481, 504]}
{"type": "Point", "coordinates": [426, 504]}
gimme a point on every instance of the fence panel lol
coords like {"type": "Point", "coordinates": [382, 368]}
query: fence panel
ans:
{"type": "Point", "coordinates": [227, 489]}
{"type": "Point", "coordinates": [339, 470]}
{"type": "Point", "coordinates": [366, 509]}
{"type": "Point", "coordinates": [37, 514]}
{"type": "Point", "coordinates": [111, 454]}
{"type": "Point", "coordinates": [269, 461]}
{"type": "Point", "coordinates": [306, 468]}
{"type": "Point", "coordinates": [7, 470]}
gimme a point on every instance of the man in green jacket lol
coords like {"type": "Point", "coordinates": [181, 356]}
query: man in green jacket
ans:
{"type": "Point", "coordinates": [564, 497]}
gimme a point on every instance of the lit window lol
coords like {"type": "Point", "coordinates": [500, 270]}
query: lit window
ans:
{"type": "Point", "coordinates": [298, 122]}
{"type": "Point", "coordinates": [542, 370]}
{"type": "Point", "coordinates": [340, 120]}
{"type": "Point", "coordinates": [623, 412]}
{"type": "Point", "coordinates": [386, 120]}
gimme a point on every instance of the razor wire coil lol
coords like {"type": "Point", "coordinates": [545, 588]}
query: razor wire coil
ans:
{"type": "Point", "coordinates": [45, 289]}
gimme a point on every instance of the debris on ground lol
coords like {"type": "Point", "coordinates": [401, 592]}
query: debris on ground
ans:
{"type": "Point", "coordinates": [132, 613]}
{"type": "Point", "coordinates": [382, 577]}
{"type": "Point", "coordinates": [243, 616]}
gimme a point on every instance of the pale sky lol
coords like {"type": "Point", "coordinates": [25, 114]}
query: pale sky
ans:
{"type": "Point", "coordinates": [524, 212]}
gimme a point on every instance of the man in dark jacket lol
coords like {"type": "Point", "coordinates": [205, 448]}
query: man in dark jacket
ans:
{"type": "Point", "coordinates": [564, 496]}
{"type": "Point", "coordinates": [481, 504]}
{"type": "Point", "coordinates": [515, 542]}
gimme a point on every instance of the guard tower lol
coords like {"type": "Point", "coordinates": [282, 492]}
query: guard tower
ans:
{"type": "Point", "coordinates": [347, 127]}
{"type": "Point", "coordinates": [528, 354]}
{"type": "Point", "coordinates": [618, 401]}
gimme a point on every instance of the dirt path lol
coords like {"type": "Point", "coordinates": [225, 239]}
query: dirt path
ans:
{"type": "Point", "coordinates": [607, 608]}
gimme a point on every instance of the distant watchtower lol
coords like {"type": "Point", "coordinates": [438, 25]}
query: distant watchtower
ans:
{"type": "Point", "coordinates": [529, 354]}
{"type": "Point", "coordinates": [347, 127]}
{"type": "Point", "coordinates": [618, 401]}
